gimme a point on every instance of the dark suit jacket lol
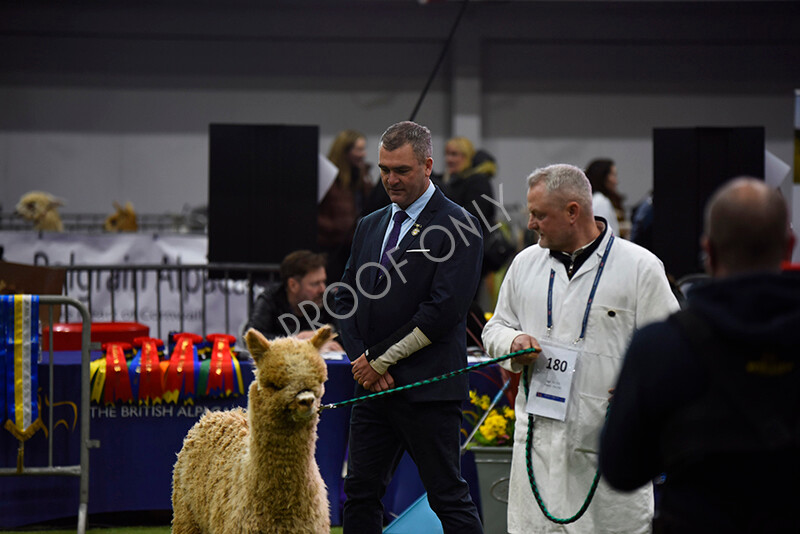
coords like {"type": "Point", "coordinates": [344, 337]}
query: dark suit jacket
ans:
{"type": "Point", "coordinates": [435, 295]}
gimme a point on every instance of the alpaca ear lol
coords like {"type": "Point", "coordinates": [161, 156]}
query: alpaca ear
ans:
{"type": "Point", "coordinates": [116, 205]}
{"type": "Point", "coordinates": [322, 335]}
{"type": "Point", "coordinates": [257, 344]}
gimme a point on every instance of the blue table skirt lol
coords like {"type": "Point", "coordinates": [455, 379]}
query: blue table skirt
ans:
{"type": "Point", "coordinates": [132, 469]}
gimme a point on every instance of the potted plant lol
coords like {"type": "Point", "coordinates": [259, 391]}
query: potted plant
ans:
{"type": "Point", "coordinates": [491, 439]}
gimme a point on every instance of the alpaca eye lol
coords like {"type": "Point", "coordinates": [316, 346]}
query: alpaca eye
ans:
{"type": "Point", "coordinates": [274, 385]}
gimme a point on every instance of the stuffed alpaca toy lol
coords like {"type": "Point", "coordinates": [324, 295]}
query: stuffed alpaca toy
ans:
{"type": "Point", "coordinates": [42, 209]}
{"type": "Point", "coordinates": [123, 220]}
{"type": "Point", "coordinates": [254, 471]}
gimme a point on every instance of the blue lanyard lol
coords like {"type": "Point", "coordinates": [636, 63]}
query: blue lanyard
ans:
{"type": "Point", "coordinates": [591, 295]}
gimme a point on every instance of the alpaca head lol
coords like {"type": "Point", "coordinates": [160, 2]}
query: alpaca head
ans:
{"type": "Point", "coordinates": [123, 220]}
{"type": "Point", "coordinates": [290, 377]}
{"type": "Point", "coordinates": [40, 208]}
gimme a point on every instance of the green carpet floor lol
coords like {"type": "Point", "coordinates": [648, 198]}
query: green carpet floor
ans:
{"type": "Point", "coordinates": [125, 530]}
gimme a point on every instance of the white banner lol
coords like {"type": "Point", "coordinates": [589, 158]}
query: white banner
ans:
{"type": "Point", "coordinates": [54, 249]}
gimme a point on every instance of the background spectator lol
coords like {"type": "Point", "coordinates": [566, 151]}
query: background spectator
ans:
{"type": "Point", "coordinates": [290, 307]}
{"type": "Point", "coordinates": [342, 205]}
{"type": "Point", "coordinates": [607, 202]}
{"type": "Point", "coordinates": [709, 398]}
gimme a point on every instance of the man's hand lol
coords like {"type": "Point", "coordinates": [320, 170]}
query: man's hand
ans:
{"type": "Point", "coordinates": [384, 382]}
{"type": "Point", "coordinates": [365, 374]}
{"type": "Point", "coordinates": [331, 346]}
{"type": "Point", "coordinates": [305, 334]}
{"type": "Point", "coordinates": [524, 341]}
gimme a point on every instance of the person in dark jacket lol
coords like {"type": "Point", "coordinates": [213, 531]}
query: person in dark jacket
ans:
{"type": "Point", "coordinates": [468, 181]}
{"type": "Point", "coordinates": [295, 306]}
{"type": "Point", "coordinates": [711, 397]}
{"type": "Point", "coordinates": [468, 177]}
{"type": "Point", "coordinates": [403, 301]}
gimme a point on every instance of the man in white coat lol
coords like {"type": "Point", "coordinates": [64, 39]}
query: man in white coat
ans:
{"type": "Point", "coordinates": [577, 296]}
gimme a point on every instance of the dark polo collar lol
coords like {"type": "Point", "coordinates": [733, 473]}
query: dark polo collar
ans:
{"type": "Point", "coordinates": [572, 262]}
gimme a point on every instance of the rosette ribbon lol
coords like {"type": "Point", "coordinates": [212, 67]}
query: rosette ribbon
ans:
{"type": "Point", "coordinates": [220, 375]}
{"type": "Point", "coordinates": [147, 379]}
{"type": "Point", "coordinates": [182, 372]}
{"type": "Point", "coordinates": [117, 380]}
{"type": "Point", "coordinates": [97, 376]}
{"type": "Point", "coordinates": [19, 354]}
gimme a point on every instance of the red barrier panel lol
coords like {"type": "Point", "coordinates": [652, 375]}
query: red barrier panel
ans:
{"type": "Point", "coordinates": [67, 336]}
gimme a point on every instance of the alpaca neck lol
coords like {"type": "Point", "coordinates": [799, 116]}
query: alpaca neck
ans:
{"type": "Point", "coordinates": [280, 459]}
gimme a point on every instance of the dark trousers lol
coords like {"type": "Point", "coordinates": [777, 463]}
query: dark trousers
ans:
{"type": "Point", "coordinates": [380, 431]}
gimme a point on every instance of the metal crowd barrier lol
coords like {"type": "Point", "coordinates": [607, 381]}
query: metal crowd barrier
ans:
{"type": "Point", "coordinates": [81, 470]}
{"type": "Point", "coordinates": [230, 273]}
{"type": "Point", "coordinates": [186, 222]}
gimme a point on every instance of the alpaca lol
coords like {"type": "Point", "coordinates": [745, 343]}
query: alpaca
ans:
{"type": "Point", "coordinates": [123, 220]}
{"type": "Point", "coordinates": [254, 471]}
{"type": "Point", "coordinates": [42, 209]}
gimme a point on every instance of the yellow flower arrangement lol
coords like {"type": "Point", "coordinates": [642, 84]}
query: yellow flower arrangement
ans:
{"type": "Point", "coordinates": [497, 429]}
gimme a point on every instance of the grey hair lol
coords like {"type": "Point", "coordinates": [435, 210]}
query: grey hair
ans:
{"type": "Point", "coordinates": [411, 133]}
{"type": "Point", "coordinates": [567, 181]}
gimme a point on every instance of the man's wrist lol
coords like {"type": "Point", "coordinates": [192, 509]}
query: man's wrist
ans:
{"type": "Point", "coordinates": [379, 366]}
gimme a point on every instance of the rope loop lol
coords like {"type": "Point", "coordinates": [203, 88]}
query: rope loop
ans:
{"type": "Point", "coordinates": [532, 479]}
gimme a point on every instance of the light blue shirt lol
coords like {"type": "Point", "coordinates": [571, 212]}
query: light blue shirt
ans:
{"type": "Point", "coordinates": [413, 212]}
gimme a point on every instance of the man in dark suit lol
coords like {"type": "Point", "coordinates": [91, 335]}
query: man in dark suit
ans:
{"type": "Point", "coordinates": [402, 304]}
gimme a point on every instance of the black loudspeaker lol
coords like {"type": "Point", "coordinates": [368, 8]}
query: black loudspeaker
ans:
{"type": "Point", "coordinates": [688, 166]}
{"type": "Point", "coordinates": [262, 194]}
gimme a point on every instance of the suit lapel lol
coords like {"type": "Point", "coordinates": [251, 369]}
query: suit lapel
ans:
{"type": "Point", "coordinates": [414, 235]}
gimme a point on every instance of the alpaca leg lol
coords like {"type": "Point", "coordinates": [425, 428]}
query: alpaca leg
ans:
{"type": "Point", "coordinates": [182, 517]}
{"type": "Point", "coordinates": [183, 524]}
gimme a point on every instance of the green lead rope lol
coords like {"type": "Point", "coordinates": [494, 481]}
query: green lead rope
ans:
{"type": "Point", "coordinates": [529, 463]}
{"type": "Point", "coordinates": [445, 376]}
{"type": "Point", "coordinates": [532, 479]}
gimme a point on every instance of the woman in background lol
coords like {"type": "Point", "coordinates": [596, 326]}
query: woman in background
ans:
{"type": "Point", "coordinates": [468, 176]}
{"type": "Point", "coordinates": [606, 200]}
{"type": "Point", "coordinates": [341, 207]}
{"type": "Point", "coordinates": [467, 182]}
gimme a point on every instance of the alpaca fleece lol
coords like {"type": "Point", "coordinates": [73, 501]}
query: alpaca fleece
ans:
{"type": "Point", "coordinates": [124, 219]}
{"type": "Point", "coordinates": [42, 209]}
{"type": "Point", "coordinates": [254, 471]}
